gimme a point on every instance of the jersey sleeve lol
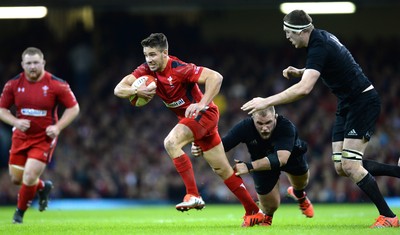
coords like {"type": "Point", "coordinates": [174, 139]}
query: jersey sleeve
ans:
{"type": "Point", "coordinates": [141, 70]}
{"type": "Point", "coordinates": [190, 71]}
{"type": "Point", "coordinates": [65, 95]}
{"type": "Point", "coordinates": [235, 136]}
{"type": "Point", "coordinates": [7, 96]}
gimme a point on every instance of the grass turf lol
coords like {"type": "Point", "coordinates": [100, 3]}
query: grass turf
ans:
{"type": "Point", "coordinates": [338, 219]}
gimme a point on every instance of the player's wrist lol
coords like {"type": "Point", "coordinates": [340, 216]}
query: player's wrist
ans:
{"type": "Point", "coordinates": [249, 166]}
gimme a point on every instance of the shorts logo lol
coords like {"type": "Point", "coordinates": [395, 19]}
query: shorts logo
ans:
{"type": "Point", "coordinates": [352, 133]}
{"type": "Point", "coordinates": [253, 142]}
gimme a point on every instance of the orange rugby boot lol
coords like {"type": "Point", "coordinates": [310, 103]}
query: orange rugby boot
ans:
{"type": "Point", "coordinates": [304, 203]}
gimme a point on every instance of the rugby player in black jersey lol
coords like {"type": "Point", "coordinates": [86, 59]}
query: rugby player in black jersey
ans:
{"type": "Point", "coordinates": [358, 104]}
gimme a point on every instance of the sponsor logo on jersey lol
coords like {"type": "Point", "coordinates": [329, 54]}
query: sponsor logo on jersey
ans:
{"type": "Point", "coordinates": [175, 104]}
{"type": "Point", "coordinates": [34, 112]}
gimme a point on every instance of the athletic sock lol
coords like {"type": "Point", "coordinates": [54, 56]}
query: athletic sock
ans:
{"type": "Point", "coordinates": [370, 187]}
{"type": "Point", "coordinates": [300, 194]}
{"type": "Point", "coordinates": [25, 196]}
{"type": "Point", "coordinates": [184, 167]}
{"type": "Point", "coordinates": [379, 169]}
{"type": "Point", "coordinates": [40, 185]}
{"type": "Point", "coordinates": [236, 185]}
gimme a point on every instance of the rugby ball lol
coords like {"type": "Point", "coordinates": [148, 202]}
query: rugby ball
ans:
{"type": "Point", "coordinates": [145, 80]}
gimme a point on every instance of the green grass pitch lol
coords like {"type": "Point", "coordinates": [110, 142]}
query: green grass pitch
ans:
{"type": "Point", "coordinates": [337, 219]}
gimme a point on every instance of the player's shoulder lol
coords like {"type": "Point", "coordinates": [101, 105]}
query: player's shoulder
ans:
{"type": "Point", "coordinates": [176, 62]}
{"type": "Point", "coordinates": [245, 125]}
{"type": "Point", "coordinates": [13, 80]}
{"type": "Point", "coordinates": [55, 78]}
{"type": "Point", "coordinates": [283, 122]}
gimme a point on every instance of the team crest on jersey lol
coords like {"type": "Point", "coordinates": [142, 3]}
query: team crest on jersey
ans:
{"type": "Point", "coordinates": [45, 89]}
{"type": "Point", "coordinates": [169, 79]}
{"type": "Point", "coordinates": [21, 89]}
{"type": "Point", "coordinates": [196, 71]}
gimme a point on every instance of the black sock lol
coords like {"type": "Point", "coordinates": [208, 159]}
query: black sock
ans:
{"type": "Point", "coordinates": [370, 187]}
{"type": "Point", "coordinates": [381, 169]}
{"type": "Point", "coordinates": [299, 193]}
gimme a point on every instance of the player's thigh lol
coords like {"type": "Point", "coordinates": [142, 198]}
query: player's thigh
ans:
{"type": "Point", "coordinates": [178, 137]}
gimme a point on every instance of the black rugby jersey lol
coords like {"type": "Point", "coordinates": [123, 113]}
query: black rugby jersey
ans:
{"type": "Point", "coordinates": [339, 71]}
{"type": "Point", "coordinates": [284, 137]}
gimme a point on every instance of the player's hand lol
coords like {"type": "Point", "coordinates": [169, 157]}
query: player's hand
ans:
{"type": "Point", "coordinates": [291, 71]}
{"type": "Point", "coordinates": [194, 109]}
{"type": "Point", "coordinates": [52, 131]}
{"type": "Point", "coordinates": [196, 150]}
{"type": "Point", "coordinates": [255, 104]}
{"type": "Point", "coordinates": [146, 92]}
{"type": "Point", "coordinates": [22, 124]}
{"type": "Point", "coordinates": [240, 167]}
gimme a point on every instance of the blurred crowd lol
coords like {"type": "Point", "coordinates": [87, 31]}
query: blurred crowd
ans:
{"type": "Point", "coordinates": [115, 150]}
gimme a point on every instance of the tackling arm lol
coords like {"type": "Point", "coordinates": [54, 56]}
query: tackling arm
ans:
{"type": "Point", "coordinates": [270, 162]}
{"type": "Point", "coordinates": [291, 94]}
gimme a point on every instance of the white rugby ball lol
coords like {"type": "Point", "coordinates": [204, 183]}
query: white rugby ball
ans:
{"type": "Point", "coordinates": [146, 80]}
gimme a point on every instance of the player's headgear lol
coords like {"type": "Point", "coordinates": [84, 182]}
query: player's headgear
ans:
{"type": "Point", "coordinates": [297, 21]}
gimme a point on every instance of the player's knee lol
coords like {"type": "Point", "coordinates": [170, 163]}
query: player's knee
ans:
{"type": "Point", "coordinates": [224, 173]}
{"type": "Point", "coordinates": [339, 170]}
{"type": "Point", "coordinates": [169, 145]}
{"type": "Point", "coordinates": [30, 178]}
{"type": "Point", "coordinates": [16, 180]}
{"type": "Point", "coordinates": [347, 168]}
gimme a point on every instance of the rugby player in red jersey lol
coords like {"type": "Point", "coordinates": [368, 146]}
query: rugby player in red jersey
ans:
{"type": "Point", "coordinates": [36, 94]}
{"type": "Point", "coordinates": [177, 86]}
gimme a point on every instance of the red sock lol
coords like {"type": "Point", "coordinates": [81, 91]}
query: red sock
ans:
{"type": "Point", "coordinates": [184, 167]}
{"type": "Point", "coordinates": [236, 185]}
{"type": "Point", "coordinates": [25, 196]}
{"type": "Point", "coordinates": [40, 185]}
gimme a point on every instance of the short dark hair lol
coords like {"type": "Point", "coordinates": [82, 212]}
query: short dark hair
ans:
{"type": "Point", "coordinates": [32, 51]}
{"type": "Point", "coordinates": [297, 17]}
{"type": "Point", "coordinates": [156, 40]}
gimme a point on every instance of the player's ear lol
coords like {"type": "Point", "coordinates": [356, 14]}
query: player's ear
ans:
{"type": "Point", "coordinates": [165, 53]}
{"type": "Point", "coordinates": [44, 62]}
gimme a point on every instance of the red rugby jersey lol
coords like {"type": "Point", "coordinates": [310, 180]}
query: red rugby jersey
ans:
{"type": "Point", "coordinates": [37, 101]}
{"type": "Point", "coordinates": [176, 84]}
